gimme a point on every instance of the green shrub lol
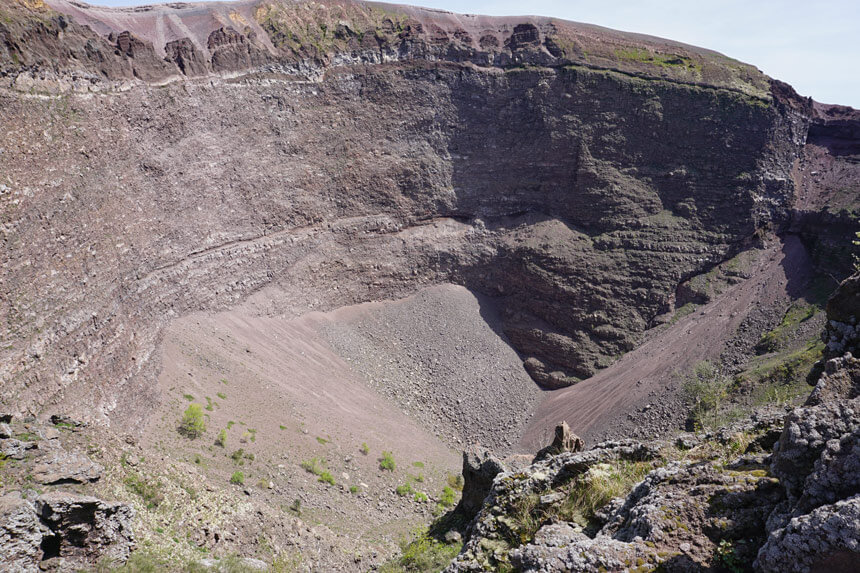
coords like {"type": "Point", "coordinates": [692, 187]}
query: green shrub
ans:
{"type": "Point", "coordinates": [598, 487]}
{"type": "Point", "coordinates": [297, 506]}
{"type": "Point", "coordinates": [705, 390]}
{"type": "Point", "coordinates": [353, 489]}
{"type": "Point", "coordinates": [221, 440]}
{"type": "Point", "coordinates": [239, 457]}
{"type": "Point", "coordinates": [726, 555]}
{"type": "Point", "coordinates": [237, 478]}
{"type": "Point", "coordinates": [403, 490]}
{"type": "Point", "coordinates": [386, 462]}
{"type": "Point", "coordinates": [140, 561]}
{"type": "Point", "coordinates": [423, 554]}
{"type": "Point", "coordinates": [209, 404]}
{"type": "Point", "coordinates": [326, 477]}
{"type": "Point", "coordinates": [149, 491]}
{"type": "Point", "coordinates": [418, 464]}
{"type": "Point", "coordinates": [188, 397]}
{"type": "Point", "coordinates": [448, 496]}
{"type": "Point", "coordinates": [420, 497]}
{"type": "Point", "coordinates": [315, 466]}
{"type": "Point", "coordinates": [193, 423]}
{"type": "Point", "coordinates": [365, 449]}
{"type": "Point", "coordinates": [322, 441]}
{"type": "Point", "coordinates": [230, 424]}
{"type": "Point", "coordinates": [455, 481]}
{"type": "Point", "coordinates": [222, 395]}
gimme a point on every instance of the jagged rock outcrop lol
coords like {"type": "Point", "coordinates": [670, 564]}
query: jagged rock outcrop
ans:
{"type": "Point", "coordinates": [83, 529]}
{"type": "Point", "coordinates": [795, 509]}
{"type": "Point", "coordinates": [563, 441]}
{"type": "Point", "coordinates": [63, 531]}
{"type": "Point", "coordinates": [480, 468]}
{"type": "Point", "coordinates": [187, 57]}
{"type": "Point", "coordinates": [827, 539]}
{"type": "Point", "coordinates": [20, 534]}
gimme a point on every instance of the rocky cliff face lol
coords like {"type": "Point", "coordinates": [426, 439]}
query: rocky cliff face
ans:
{"type": "Point", "coordinates": [291, 157]}
{"type": "Point", "coordinates": [773, 493]}
{"type": "Point", "coordinates": [581, 195]}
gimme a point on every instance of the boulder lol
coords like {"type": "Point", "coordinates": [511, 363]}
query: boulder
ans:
{"type": "Point", "coordinates": [806, 435]}
{"type": "Point", "coordinates": [15, 449]}
{"type": "Point", "coordinates": [59, 467]}
{"type": "Point", "coordinates": [827, 539]}
{"type": "Point", "coordinates": [840, 380]}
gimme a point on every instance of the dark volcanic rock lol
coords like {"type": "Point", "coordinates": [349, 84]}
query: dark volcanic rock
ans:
{"type": "Point", "coordinates": [20, 534]}
{"type": "Point", "coordinates": [809, 432]}
{"type": "Point", "coordinates": [479, 470]}
{"type": "Point", "coordinates": [563, 441]}
{"type": "Point", "coordinates": [828, 539]}
{"type": "Point", "coordinates": [187, 57]}
{"type": "Point", "coordinates": [58, 466]}
{"type": "Point", "coordinates": [63, 530]}
{"type": "Point", "coordinates": [233, 51]}
{"type": "Point", "coordinates": [82, 529]}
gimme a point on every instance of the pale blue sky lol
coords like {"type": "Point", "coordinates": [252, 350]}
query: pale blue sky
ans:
{"type": "Point", "coordinates": [811, 44]}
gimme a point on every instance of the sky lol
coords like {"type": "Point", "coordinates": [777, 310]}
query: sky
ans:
{"type": "Point", "coordinates": [812, 45]}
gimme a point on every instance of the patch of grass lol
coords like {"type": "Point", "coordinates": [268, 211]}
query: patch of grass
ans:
{"type": "Point", "coordinates": [148, 490]}
{"type": "Point", "coordinates": [797, 313]}
{"type": "Point", "coordinates": [403, 490]}
{"type": "Point", "coordinates": [222, 395]}
{"type": "Point", "coordinates": [685, 310]}
{"type": "Point", "coordinates": [315, 466]}
{"type": "Point", "coordinates": [210, 405]}
{"type": "Point", "coordinates": [419, 478]}
{"type": "Point", "coordinates": [386, 462]}
{"type": "Point", "coordinates": [448, 496]}
{"type": "Point", "coordinates": [221, 440]}
{"type": "Point", "coordinates": [781, 378]}
{"type": "Point", "coordinates": [287, 562]}
{"type": "Point", "coordinates": [705, 389]}
{"type": "Point", "coordinates": [326, 477]}
{"type": "Point", "coordinates": [140, 561]}
{"type": "Point", "coordinates": [322, 441]}
{"type": "Point", "coordinates": [598, 486]}
{"type": "Point", "coordinates": [424, 553]}
{"type": "Point", "coordinates": [238, 478]}
{"type": "Point", "coordinates": [192, 425]}
{"type": "Point", "coordinates": [418, 464]}
{"type": "Point", "coordinates": [239, 457]}
{"type": "Point", "coordinates": [420, 497]}
{"type": "Point", "coordinates": [188, 397]}
{"type": "Point", "coordinates": [230, 424]}
{"type": "Point", "coordinates": [657, 59]}
{"type": "Point", "coordinates": [283, 427]}
{"type": "Point", "coordinates": [353, 489]}
{"type": "Point", "coordinates": [296, 506]}
{"type": "Point", "coordinates": [365, 449]}
{"type": "Point", "coordinates": [455, 481]}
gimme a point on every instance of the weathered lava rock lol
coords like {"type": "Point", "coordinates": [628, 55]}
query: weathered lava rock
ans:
{"type": "Point", "coordinates": [65, 530]}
